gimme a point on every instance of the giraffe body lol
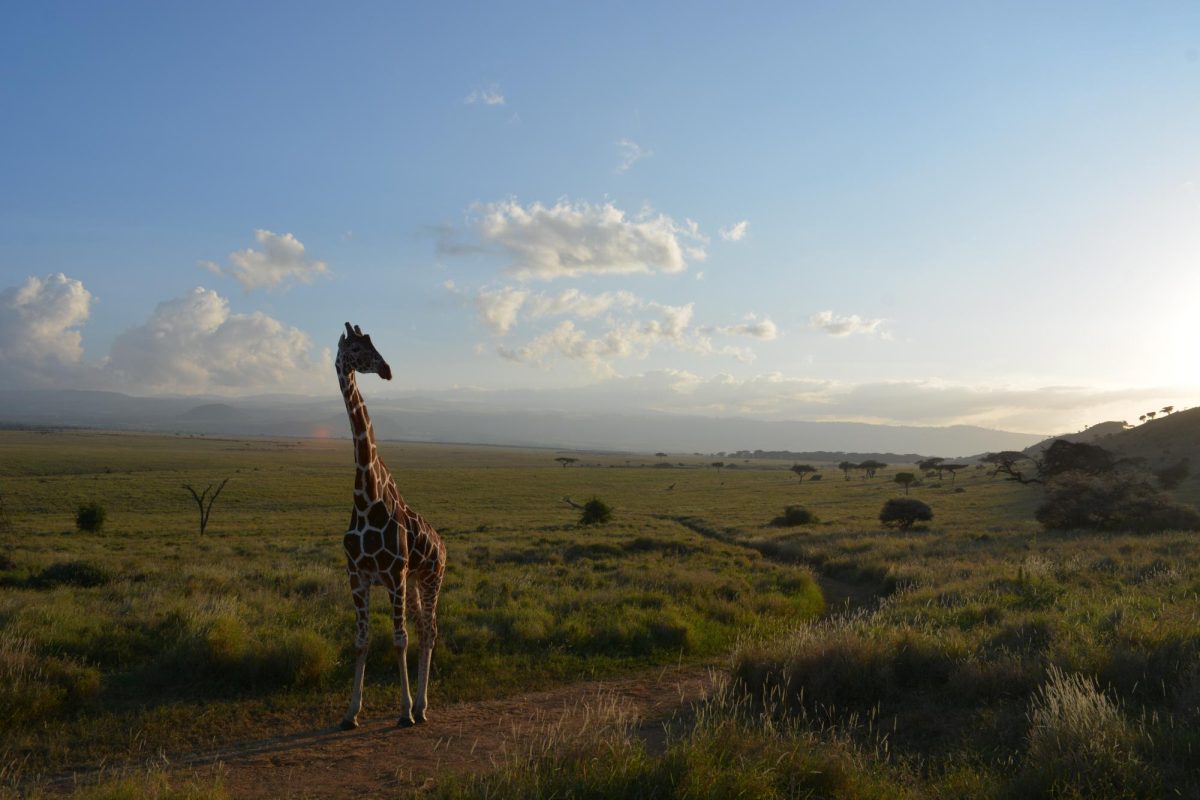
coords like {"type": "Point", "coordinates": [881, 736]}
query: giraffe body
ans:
{"type": "Point", "coordinates": [387, 543]}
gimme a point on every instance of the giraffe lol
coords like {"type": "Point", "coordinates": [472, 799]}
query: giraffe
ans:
{"type": "Point", "coordinates": [387, 543]}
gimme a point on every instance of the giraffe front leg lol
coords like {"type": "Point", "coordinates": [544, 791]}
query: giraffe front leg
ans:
{"type": "Point", "coordinates": [400, 642]}
{"type": "Point", "coordinates": [361, 591]}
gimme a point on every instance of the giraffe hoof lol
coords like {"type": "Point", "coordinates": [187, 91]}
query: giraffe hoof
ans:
{"type": "Point", "coordinates": [419, 716]}
{"type": "Point", "coordinates": [405, 722]}
{"type": "Point", "coordinates": [349, 724]}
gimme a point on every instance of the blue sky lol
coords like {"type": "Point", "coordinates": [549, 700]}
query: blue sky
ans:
{"type": "Point", "coordinates": [953, 212]}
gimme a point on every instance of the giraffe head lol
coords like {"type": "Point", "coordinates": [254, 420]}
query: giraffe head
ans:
{"type": "Point", "coordinates": [357, 354]}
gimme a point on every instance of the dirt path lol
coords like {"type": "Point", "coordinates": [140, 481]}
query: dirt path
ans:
{"type": "Point", "coordinates": [379, 759]}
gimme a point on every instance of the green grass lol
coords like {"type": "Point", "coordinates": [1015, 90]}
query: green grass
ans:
{"type": "Point", "coordinates": [1000, 660]}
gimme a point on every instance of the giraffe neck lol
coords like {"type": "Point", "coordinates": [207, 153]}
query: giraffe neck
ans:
{"type": "Point", "coordinates": [373, 476]}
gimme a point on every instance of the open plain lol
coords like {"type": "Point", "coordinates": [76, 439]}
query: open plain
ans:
{"type": "Point", "coordinates": [687, 648]}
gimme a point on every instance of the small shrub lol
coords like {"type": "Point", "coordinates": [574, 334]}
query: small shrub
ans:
{"type": "Point", "coordinates": [83, 574]}
{"type": "Point", "coordinates": [595, 512]}
{"type": "Point", "coordinates": [298, 659]}
{"type": "Point", "coordinates": [902, 512]}
{"type": "Point", "coordinates": [795, 515]}
{"type": "Point", "coordinates": [90, 517]}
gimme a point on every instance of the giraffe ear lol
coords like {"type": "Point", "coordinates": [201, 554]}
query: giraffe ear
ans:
{"type": "Point", "coordinates": [349, 330]}
{"type": "Point", "coordinates": [358, 330]}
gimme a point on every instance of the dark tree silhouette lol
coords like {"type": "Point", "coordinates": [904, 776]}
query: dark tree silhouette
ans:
{"type": "Point", "coordinates": [951, 468]}
{"type": "Point", "coordinates": [1006, 462]}
{"type": "Point", "coordinates": [931, 465]}
{"type": "Point", "coordinates": [205, 501]}
{"type": "Point", "coordinates": [905, 479]}
{"type": "Point", "coordinates": [1167, 410]}
{"type": "Point", "coordinates": [902, 512]}
{"type": "Point", "coordinates": [871, 466]}
{"type": "Point", "coordinates": [846, 467]}
{"type": "Point", "coordinates": [718, 465]}
{"type": "Point", "coordinates": [566, 460]}
{"type": "Point", "coordinates": [803, 469]}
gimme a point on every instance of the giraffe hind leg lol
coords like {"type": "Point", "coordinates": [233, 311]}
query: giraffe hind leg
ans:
{"type": "Point", "coordinates": [423, 597]}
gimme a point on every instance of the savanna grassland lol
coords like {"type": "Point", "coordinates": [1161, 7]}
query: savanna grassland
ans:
{"type": "Point", "coordinates": [986, 657]}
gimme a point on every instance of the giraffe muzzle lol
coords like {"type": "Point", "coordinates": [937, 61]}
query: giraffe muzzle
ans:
{"type": "Point", "coordinates": [385, 372]}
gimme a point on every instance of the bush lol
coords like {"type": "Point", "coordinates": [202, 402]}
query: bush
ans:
{"type": "Point", "coordinates": [795, 515]}
{"type": "Point", "coordinates": [902, 512]}
{"type": "Point", "coordinates": [595, 512]}
{"type": "Point", "coordinates": [83, 574]}
{"type": "Point", "coordinates": [1118, 501]}
{"type": "Point", "coordinates": [90, 517]}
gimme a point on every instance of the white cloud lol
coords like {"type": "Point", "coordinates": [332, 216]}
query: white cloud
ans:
{"type": "Point", "coordinates": [835, 325]}
{"type": "Point", "coordinates": [498, 308]}
{"type": "Point", "coordinates": [490, 96]}
{"type": "Point", "coordinates": [280, 261]}
{"type": "Point", "coordinates": [572, 302]}
{"type": "Point", "coordinates": [735, 232]}
{"type": "Point", "coordinates": [753, 327]}
{"type": "Point", "coordinates": [40, 343]}
{"type": "Point", "coordinates": [194, 344]}
{"type": "Point", "coordinates": [631, 153]}
{"type": "Point", "coordinates": [576, 239]}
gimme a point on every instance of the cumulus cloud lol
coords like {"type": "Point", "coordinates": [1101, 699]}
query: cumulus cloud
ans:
{"type": "Point", "coordinates": [835, 325]}
{"type": "Point", "coordinates": [735, 232]}
{"type": "Point", "coordinates": [621, 339]}
{"type": "Point", "coordinates": [40, 343]}
{"type": "Point", "coordinates": [281, 260]}
{"type": "Point", "coordinates": [631, 153]}
{"type": "Point", "coordinates": [498, 308]}
{"type": "Point", "coordinates": [577, 239]}
{"type": "Point", "coordinates": [195, 344]}
{"type": "Point", "coordinates": [490, 96]}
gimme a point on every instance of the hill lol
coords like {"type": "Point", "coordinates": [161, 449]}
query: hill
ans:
{"type": "Point", "coordinates": [1160, 442]}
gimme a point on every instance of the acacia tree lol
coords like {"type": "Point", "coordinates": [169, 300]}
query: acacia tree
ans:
{"type": "Point", "coordinates": [205, 501]}
{"type": "Point", "coordinates": [951, 468]}
{"type": "Point", "coordinates": [846, 467]}
{"type": "Point", "coordinates": [905, 479]}
{"type": "Point", "coordinates": [870, 467]}
{"type": "Point", "coordinates": [1151, 414]}
{"type": "Point", "coordinates": [1167, 410]}
{"type": "Point", "coordinates": [717, 465]}
{"type": "Point", "coordinates": [931, 465]}
{"type": "Point", "coordinates": [803, 469]}
{"type": "Point", "coordinates": [566, 460]}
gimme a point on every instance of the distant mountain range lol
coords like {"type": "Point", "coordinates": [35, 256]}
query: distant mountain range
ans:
{"type": "Point", "coordinates": [437, 420]}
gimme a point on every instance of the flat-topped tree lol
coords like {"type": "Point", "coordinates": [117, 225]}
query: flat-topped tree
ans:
{"type": "Point", "coordinates": [930, 465]}
{"type": "Point", "coordinates": [905, 479]}
{"type": "Point", "coordinates": [871, 466]}
{"type": "Point", "coordinates": [566, 461]}
{"type": "Point", "coordinates": [847, 467]}
{"type": "Point", "coordinates": [951, 468]}
{"type": "Point", "coordinates": [802, 470]}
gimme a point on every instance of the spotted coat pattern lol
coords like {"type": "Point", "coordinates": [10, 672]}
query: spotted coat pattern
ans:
{"type": "Point", "coordinates": [387, 543]}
